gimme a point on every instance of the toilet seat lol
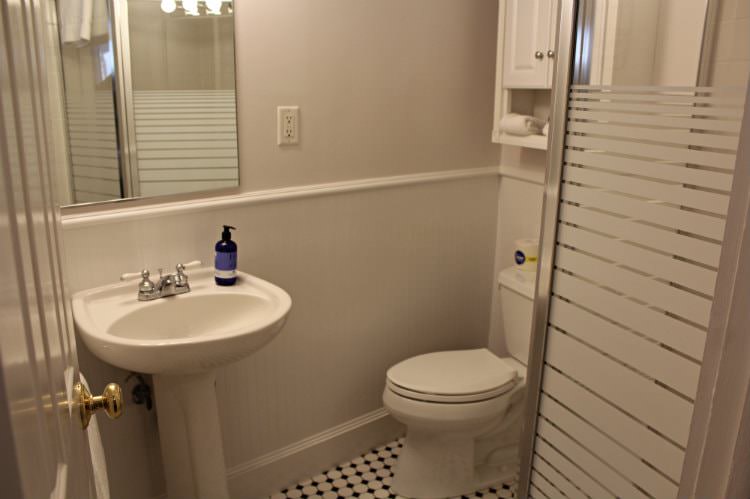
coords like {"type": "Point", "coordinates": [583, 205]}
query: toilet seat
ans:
{"type": "Point", "coordinates": [450, 399]}
{"type": "Point", "coordinates": [452, 377]}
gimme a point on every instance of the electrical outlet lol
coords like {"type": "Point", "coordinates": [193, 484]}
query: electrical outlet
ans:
{"type": "Point", "coordinates": [287, 123]}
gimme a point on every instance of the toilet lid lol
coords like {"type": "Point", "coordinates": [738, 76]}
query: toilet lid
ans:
{"type": "Point", "coordinates": [454, 373]}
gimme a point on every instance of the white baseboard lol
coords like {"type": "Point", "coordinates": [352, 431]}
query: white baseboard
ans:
{"type": "Point", "coordinates": [273, 471]}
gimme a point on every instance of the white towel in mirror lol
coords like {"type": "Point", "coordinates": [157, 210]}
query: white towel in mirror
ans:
{"type": "Point", "coordinates": [82, 20]}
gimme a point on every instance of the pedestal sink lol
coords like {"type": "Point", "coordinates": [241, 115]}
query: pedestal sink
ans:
{"type": "Point", "coordinates": [181, 340]}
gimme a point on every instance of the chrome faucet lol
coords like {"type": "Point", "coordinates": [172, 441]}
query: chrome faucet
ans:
{"type": "Point", "coordinates": [168, 285]}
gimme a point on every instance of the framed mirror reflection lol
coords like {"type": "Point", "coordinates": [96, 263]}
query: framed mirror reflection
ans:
{"type": "Point", "coordinates": [150, 106]}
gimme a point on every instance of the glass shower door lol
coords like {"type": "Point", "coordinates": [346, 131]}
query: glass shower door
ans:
{"type": "Point", "coordinates": [637, 194]}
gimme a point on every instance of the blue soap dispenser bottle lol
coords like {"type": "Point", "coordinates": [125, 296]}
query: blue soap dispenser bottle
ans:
{"type": "Point", "coordinates": [225, 267]}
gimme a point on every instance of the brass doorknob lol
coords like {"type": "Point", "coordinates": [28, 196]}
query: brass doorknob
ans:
{"type": "Point", "coordinates": [110, 400]}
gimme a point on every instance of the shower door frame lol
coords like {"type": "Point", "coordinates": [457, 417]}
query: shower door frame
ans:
{"type": "Point", "coordinates": [718, 451]}
{"type": "Point", "coordinates": [125, 110]}
{"type": "Point", "coordinates": [566, 29]}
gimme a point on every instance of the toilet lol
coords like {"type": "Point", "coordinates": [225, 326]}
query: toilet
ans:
{"type": "Point", "coordinates": [463, 409]}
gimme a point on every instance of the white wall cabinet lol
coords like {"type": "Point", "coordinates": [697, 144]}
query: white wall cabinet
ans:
{"type": "Point", "coordinates": [525, 65]}
{"type": "Point", "coordinates": [529, 40]}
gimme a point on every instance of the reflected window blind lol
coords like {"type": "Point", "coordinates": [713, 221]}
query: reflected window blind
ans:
{"type": "Point", "coordinates": [186, 140]}
{"type": "Point", "coordinates": [645, 189]}
{"type": "Point", "coordinates": [93, 148]}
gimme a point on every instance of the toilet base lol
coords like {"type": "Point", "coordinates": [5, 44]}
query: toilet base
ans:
{"type": "Point", "coordinates": [437, 466]}
{"type": "Point", "coordinates": [432, 466]}
{"type": "Point", "coordinates": [440, 461]}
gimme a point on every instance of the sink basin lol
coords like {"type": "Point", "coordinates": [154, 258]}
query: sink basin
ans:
{"type": "Point", "coordinates": [181, 340]}
{"type": "Point", "coordinates": [197, 331]}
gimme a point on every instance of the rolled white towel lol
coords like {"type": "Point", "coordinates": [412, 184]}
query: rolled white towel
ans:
{"type": "Point", "coordinates": [545, 130]}
{"type": "Point", "coordinates": [519, 124]}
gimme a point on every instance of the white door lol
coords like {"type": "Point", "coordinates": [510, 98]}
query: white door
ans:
{"type": "Point", "coordinates": [44, 452]}
{"type": "Point", "coordinates": [527, 42]}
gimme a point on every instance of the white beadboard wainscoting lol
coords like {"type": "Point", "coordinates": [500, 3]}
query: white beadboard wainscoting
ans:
{"type": "Point", "coordinates": [378, 271]}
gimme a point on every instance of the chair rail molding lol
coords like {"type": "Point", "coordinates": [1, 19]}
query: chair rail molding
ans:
{"type": "Point", "coordinates": [76, 220]}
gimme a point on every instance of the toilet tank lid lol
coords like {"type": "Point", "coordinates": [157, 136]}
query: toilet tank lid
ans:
{"type": "Point", "coordinates": [455, 372]}
{"type": "Point", "coordinates": [520, 281]}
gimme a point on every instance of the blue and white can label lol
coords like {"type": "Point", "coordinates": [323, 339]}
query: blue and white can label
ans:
{"type": "Point", "coordinates": [520, 257]}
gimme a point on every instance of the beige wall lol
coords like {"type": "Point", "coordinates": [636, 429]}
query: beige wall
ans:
{"type": "Point", "coordinates": [731, 56]}
{"type": "Point", "coordinates": [386, 88]}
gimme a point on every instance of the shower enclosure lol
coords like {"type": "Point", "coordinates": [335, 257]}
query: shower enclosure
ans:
{"type": "Point", "coordinates": [638, 204]}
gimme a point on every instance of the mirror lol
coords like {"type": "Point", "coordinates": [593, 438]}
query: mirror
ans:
{"type": "Point", "coordinates": [149, 98]}
{"type": "Point", "coordinates": [641, 42]}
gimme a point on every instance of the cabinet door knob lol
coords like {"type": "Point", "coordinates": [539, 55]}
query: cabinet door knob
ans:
{"type": "Point", "coordinates": [539, 54]}
{"type": "Point", "coordinates": [550, 53]}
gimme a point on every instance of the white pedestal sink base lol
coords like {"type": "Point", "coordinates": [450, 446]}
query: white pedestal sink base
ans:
{"type": "Point", "coordinates": [209, 327]}
{"type": "Point", "coordinates": [190, 435]}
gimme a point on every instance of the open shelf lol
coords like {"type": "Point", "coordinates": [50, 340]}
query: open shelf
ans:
{"type": "Point", "coordinates": [529, 141]}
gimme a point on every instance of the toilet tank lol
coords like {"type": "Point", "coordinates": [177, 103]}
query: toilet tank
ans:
{"type": "Point", "coordinates": [516, 304]}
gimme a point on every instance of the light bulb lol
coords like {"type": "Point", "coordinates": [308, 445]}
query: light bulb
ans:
{"type": "Point", "coordinates": [191, 7]}
{"type": "Point", "coordinates": [168, 6]}
{"type": "Point", "coordinates": [214, 7]}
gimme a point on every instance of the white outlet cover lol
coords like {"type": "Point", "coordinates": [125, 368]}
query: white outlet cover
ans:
{"type": "Point", "coordinates": [287, 125]}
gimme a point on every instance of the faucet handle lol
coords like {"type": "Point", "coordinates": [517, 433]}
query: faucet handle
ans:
{"type": "Point", "coordinates": [146, 288]}
{"type": "Point", "coordinates": [182, 266]}
{"type": "Point", "coordinates": [143, 274]}
{"type": "Point", "coordinates": [180, 278]}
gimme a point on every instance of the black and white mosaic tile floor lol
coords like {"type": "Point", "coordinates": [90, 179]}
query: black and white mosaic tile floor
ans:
{"type": "Point", "coordinates": [367, 477]}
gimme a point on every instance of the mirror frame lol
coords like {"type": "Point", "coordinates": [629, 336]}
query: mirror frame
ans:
{"type": "Point", "coordinates": [125, 126]}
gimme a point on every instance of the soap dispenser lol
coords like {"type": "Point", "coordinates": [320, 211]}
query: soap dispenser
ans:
{"type": "Point", "coordinates": [225, 267]}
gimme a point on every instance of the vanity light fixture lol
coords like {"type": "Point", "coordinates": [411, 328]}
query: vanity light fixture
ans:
{"type": "Point", "coordinates": [191, 7]}
{"type": "Point", "coordinates": [213, 7]}
{"type": "Point", "coordinates": [168, 6]}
